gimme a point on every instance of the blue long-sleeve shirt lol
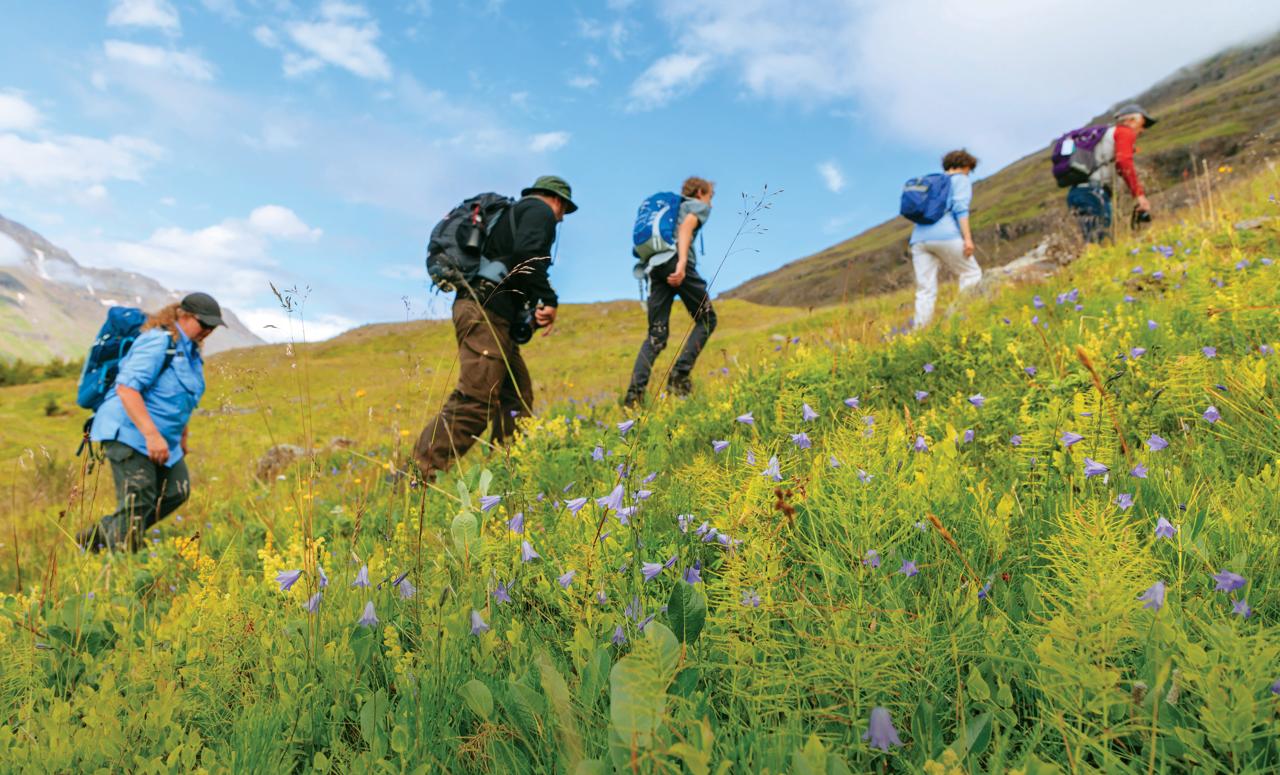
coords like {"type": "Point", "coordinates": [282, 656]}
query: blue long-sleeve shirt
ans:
{"type": "Point", "coordinates": [170, 395]}
{"type": "Point", "coordinates": [948, 226]}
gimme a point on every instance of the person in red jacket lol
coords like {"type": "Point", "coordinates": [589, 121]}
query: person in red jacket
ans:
{"type": "Point", "coordinates": [1090, 202]}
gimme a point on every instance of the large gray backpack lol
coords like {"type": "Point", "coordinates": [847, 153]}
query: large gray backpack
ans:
{"type": "Point", "coordinates": [456, 251]}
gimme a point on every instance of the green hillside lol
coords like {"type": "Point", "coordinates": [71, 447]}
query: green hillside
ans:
{"type": "Point", "coordinates": [1224, 111]}
{"type": "Point", "coordinates": [844, 541]}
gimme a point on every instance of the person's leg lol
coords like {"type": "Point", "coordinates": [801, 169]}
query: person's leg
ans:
{"type": "Point", "coordinates": [659, 312]}
{"type": "Point", "coordinates": [693, 293]}
{"type": "Point", "coordinates": [468, 410]}
{"type": "Point", "coordinates": [1092, 210]}
{"type": "Point", "coordinates": [926, 269]}
{"type": "Point", "coordinates": [136, 491]}
{"type": "Point", "coordinates": [515, 398]}
{"type": "Point", "coordinates": [965, 267]}
{"type": "Point", "coordinates": [173, 487]}
{"type": "Point", "coordinates": [1103, 197]}
{"type": "Point", "coordinates": [1080, 209]}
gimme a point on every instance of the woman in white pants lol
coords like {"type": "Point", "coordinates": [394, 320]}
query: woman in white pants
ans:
{"type": "Point", "coordinates": [948, 242]}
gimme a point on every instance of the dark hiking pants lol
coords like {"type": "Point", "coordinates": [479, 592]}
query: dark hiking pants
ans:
{"type": "Point", "coordinates": [146, 492]}
{"type": "Point", "coordinates": [693, 293]}
{"type": "Point", "coordinates": [1091, 206]}
{"type": "Point", "coordinates": [493, 389]}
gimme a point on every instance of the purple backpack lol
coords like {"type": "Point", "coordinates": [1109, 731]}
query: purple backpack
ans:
{"type": "Point", "coordinates": [1073, 155]}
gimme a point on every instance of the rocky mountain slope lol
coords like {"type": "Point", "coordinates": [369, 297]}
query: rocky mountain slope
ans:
{"type": "Point", "coordinates": [1222, 111]}
{"type": "Point", "coordinates": [51, 306]}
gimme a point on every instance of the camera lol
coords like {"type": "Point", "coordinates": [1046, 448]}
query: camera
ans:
{"type": "Point", "coordinates": [523, 326]}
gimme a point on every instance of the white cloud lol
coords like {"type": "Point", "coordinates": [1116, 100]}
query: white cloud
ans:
{"type": "Point", "coordinates": [231, 259]}
{"type": "Point", "coordinates": [997, 76]}
{"type": "Point", "coordinates": [224, 8]}
{"type": "Point", "coordinates": [668, 78]}
{"type": "Point", "coordinates": [96, 194]}
{"type": "Point", "coordinates": [584, 82]}
{"type": "Point", "coordinates": [180, 63]}
{"type": "Point", "coordinates": [832, 176]}
{"type": "Point", "coordinates": [266, 36]}
{"type": "Point", "coordinates": [282, 223]}
{"type": "Point", "coordinates": [274, 324]}
{"type": "Point", "coordinates": [158, 14]}
{"type": "Point", "coordinates": [16, 113]}
{"type": "Point", "coordinates": [614, 35]}
{"type": "Point", "coordinates": [73, 159]}
{"type": "Point", "coordinates": [343, 36]}
{"type": "Point", "coordinates": [548, 141]}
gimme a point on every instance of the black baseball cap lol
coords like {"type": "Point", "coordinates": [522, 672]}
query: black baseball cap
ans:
{"type": "Point", "coordinates": [204, 307]}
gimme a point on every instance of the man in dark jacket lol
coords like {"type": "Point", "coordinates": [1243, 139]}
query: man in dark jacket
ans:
{"type": "Point", "coordinates": [491, 321]}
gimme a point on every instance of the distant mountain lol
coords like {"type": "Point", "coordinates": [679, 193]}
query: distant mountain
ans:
{"type": "Point", "coordinates": [1224, 110]}
{"type": "Point", "coordinates": [51, 306]}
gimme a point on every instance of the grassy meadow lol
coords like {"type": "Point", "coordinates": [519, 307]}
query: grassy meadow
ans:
{"type": "Point", "coordinates": [850, 550]}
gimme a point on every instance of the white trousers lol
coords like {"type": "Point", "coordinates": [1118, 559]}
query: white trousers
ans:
{"type": "Point", "coordinates": [925, 257]}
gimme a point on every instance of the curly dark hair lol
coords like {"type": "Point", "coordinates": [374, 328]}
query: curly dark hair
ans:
{"type": "Point", "coordinates": [958, 159]}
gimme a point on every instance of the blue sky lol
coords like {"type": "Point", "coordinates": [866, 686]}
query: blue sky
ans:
{"type": "Point", "coordinates": [225, 144]}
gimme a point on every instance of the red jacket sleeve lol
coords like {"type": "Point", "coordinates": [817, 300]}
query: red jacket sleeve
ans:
{"type": "Point", "coordinates": [1126, 145]}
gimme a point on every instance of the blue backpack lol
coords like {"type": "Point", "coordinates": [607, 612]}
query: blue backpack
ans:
{"type": "Point", "coordinates": [925, 199]}
{"type": "Point", "coordinates": [122, 327]}
{"type": "Point", "coordinates": [655, 229]}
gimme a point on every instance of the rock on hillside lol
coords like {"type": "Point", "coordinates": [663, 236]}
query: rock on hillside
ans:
{"type": "Point", "coordinates": [51, 306]}
{"type": "Point", "coordinates": [1223, 110]}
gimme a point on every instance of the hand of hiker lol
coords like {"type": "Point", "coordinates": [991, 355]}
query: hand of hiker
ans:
{"type": "Point", "coordinates": [184, 441]}
{"type": "Point", "coordinates": [675, 278]}
{"type": "Point", "coordinates": [157, 449]}
{"type": "Point", "coordinates": [545, 317]}
{"type": "Point", "coordinates": [968, 248]}
{"type": "Point", "coordinates": [1144, 204]}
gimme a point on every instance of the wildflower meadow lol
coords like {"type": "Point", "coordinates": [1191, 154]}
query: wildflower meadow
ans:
{"type": "Point", "coordinates": [1041, 536]}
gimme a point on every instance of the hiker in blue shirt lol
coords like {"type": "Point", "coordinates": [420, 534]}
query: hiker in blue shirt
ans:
{"type": "Point", "coordinates": [142, 424]}
{"type": "Point", "coordinates": [674, 273]}
{"type": "Point", "coordinates": [948, 242]}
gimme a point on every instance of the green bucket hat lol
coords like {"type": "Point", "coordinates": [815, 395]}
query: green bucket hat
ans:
{"type": "Point", "coordinates": [553, 184]}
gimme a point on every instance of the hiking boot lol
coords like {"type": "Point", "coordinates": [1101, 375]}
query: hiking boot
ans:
{"type": "Point", "coordinates": [633, 399]}
{"type": "Point", "coordinates": [680, 385]}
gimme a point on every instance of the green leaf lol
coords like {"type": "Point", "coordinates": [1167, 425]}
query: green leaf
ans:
{"type": "Point", "coordinates": [837, 766]}
{"type": "Point", "coordinates": [687, 611]}
{"type": "Point", "coordinates": [557, 692]}
{"type": "Point", "coordinates": [976, 737]}
{"type": "Point", "coordinates": [977, 686]}
{"type": "Point", "coordinates": [478, 698]}
{"type": "Point", "coordinates": [486, 478]}
{"type": "Point", "coordinates": [400, 739]}
{"type": "Point", "coordinates": [668, 649]}
{"type": "Point", "coordinates": [1004, 694]}
{"type": "Point", "coordinates": [810, 760]}
{"type": "Point", "coordinates": [371, 714]}
{"type": "Point", "coordinates": [465, 531]}
{"type": "Point", "coordinates": [591, 767]}
{"type": "Point", "coordinates": [638, 687]}
{"type": "Point", "coordinates": [525, 706]}
{"type": "Point", "coordinates": [464, 495]}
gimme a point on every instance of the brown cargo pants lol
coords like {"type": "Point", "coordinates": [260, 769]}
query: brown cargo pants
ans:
{"type": "Point", "coordinates": [493, 389]}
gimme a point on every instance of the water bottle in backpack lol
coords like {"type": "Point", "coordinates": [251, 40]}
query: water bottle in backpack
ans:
{"type": "Point", "coordinates": [1074, 158]}
{"type": "Point", "coordinates": [455, 252]}
{"type": "Point", "coordinates": [926, 199]}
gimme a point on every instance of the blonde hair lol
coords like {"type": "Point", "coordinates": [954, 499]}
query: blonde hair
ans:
{"type": "Point", "coordinates": [166, 318]}
{"type": "Point", "coordinates": [694, 186]}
